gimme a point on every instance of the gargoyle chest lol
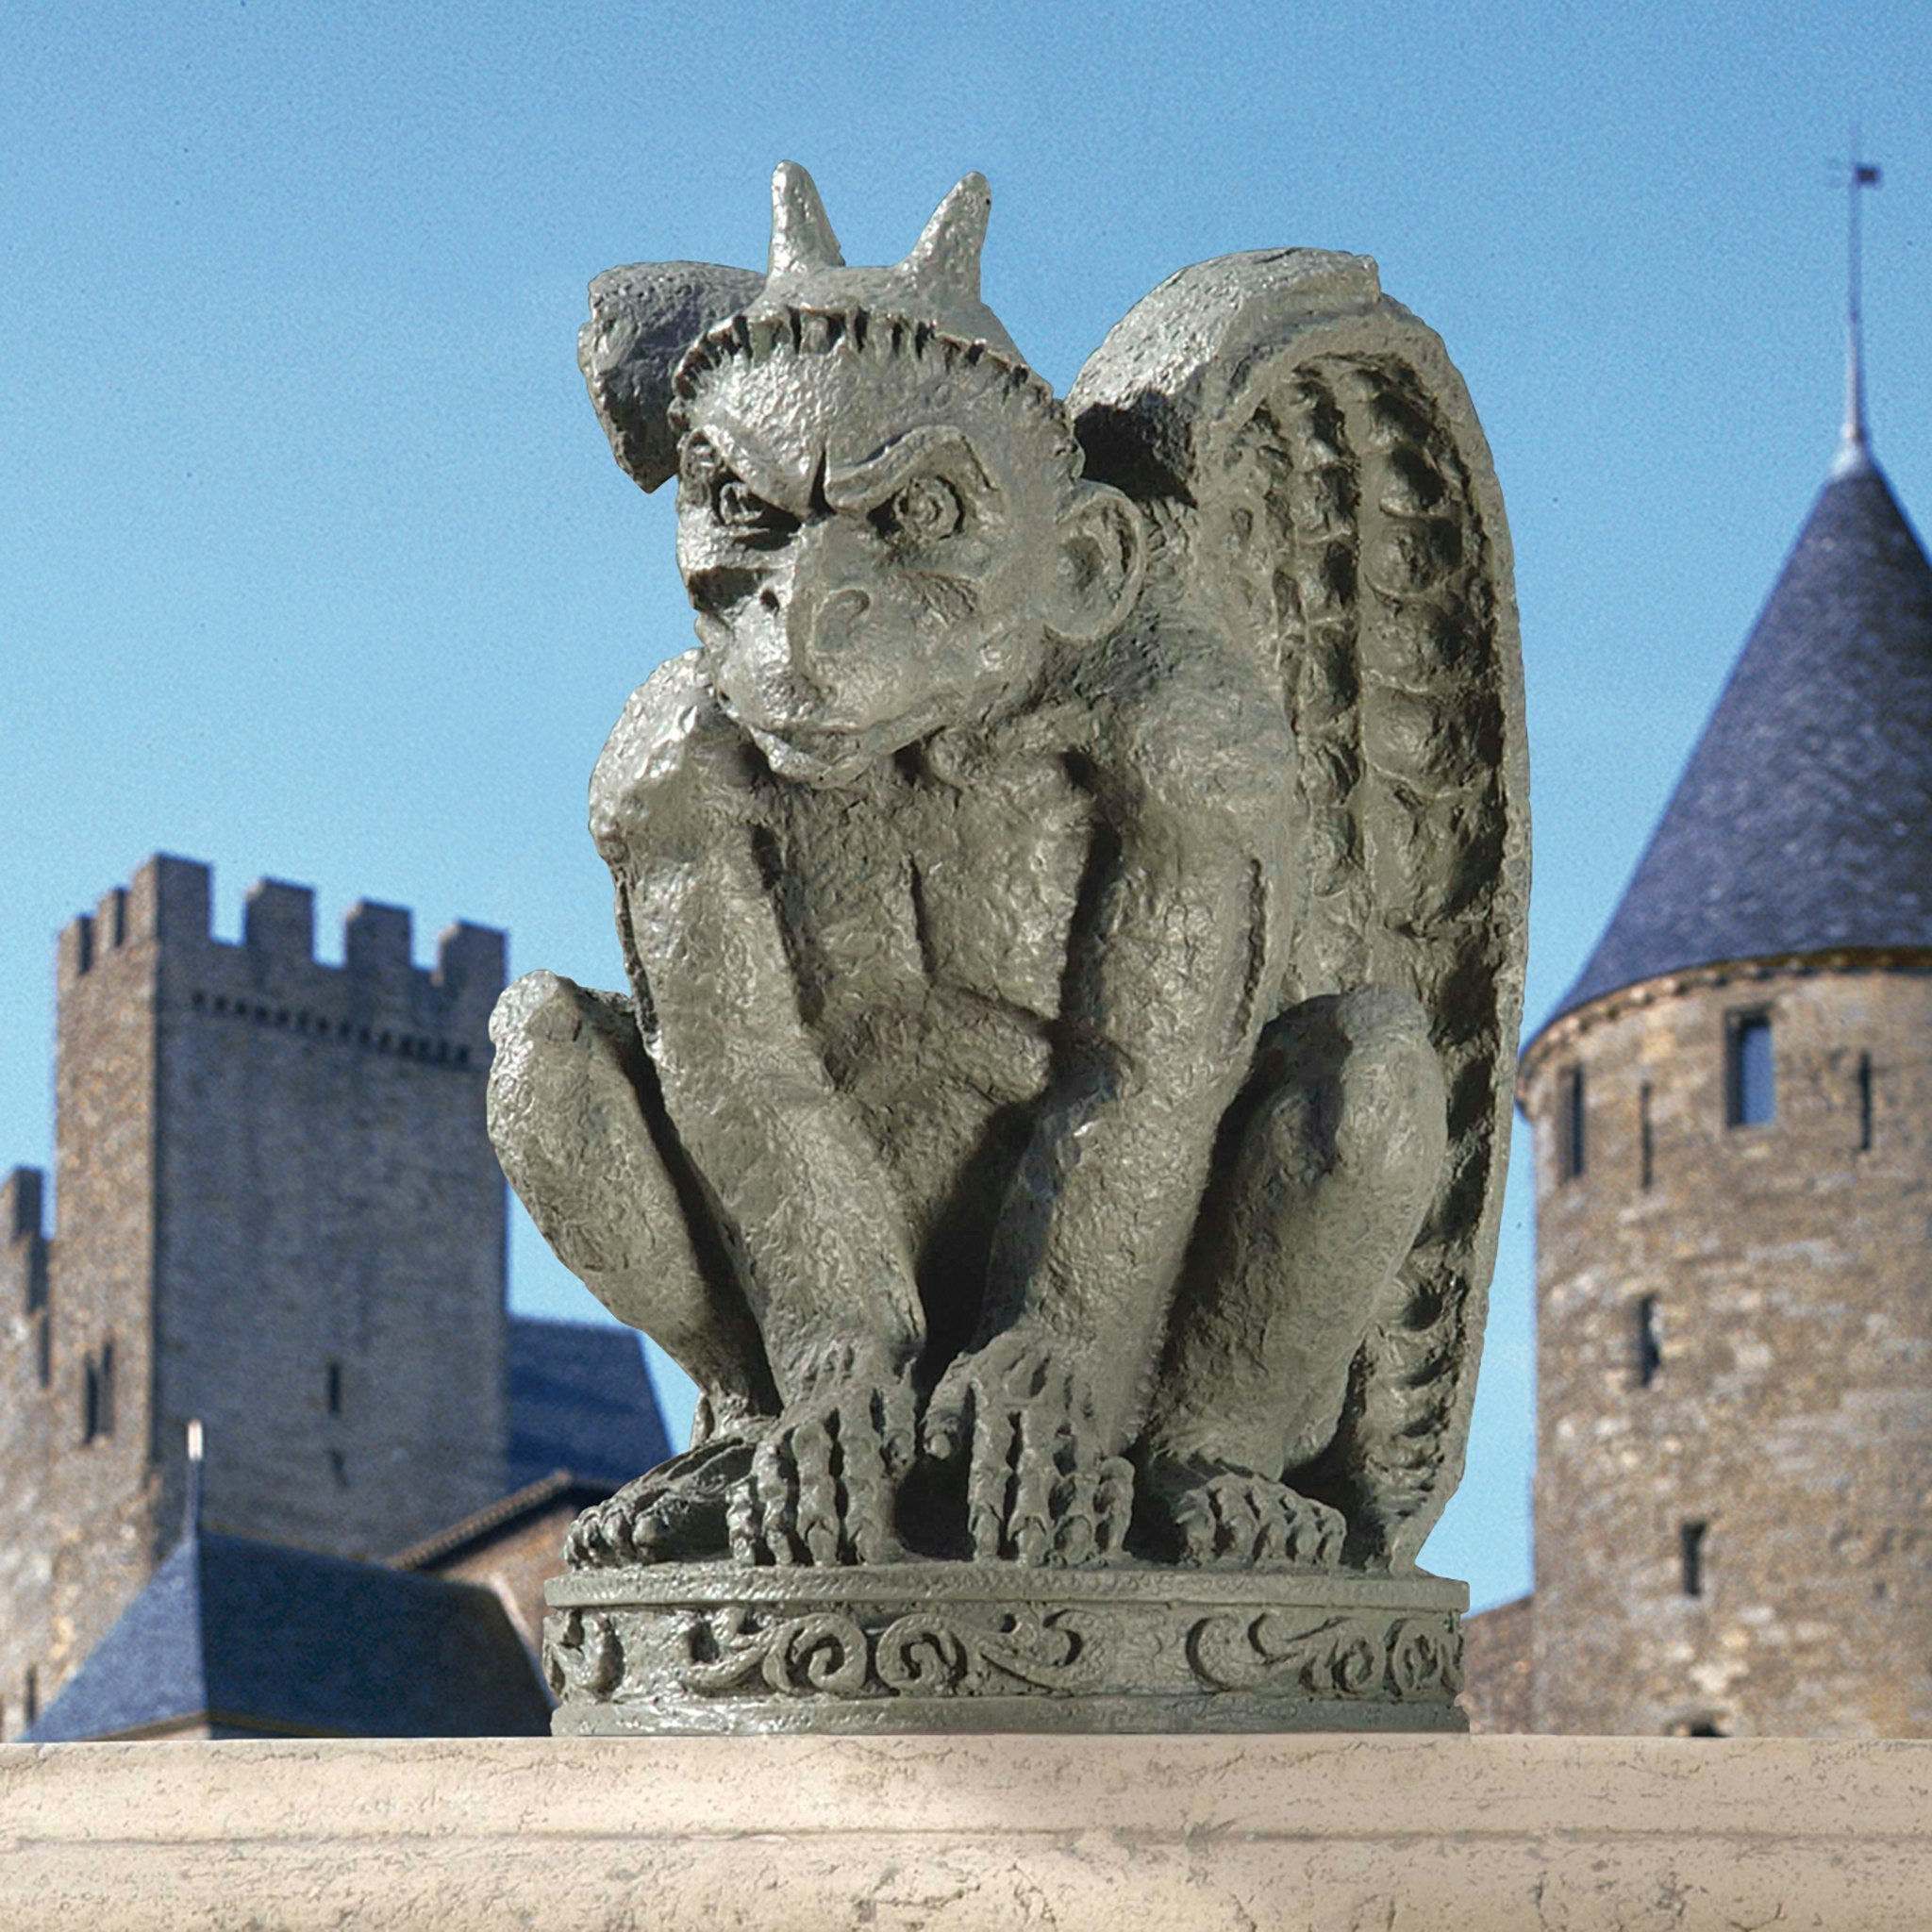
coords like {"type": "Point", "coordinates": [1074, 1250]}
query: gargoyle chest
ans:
{"type": "Point", "coordinates": [934, 887]}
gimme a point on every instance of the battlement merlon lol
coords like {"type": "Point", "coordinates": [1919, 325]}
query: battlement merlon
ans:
{"type": "Point", "coordinates": [22, 1241]}
{"type": "Point", "coordinates": [472, 960]}
{"type": "Point", "coordinates": [278, 919]}
{"type": "Point", "coordinates": [170, 900]}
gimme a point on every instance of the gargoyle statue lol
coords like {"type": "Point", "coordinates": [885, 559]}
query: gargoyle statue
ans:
{"type": "Point", "coordinates": [1072, 904]}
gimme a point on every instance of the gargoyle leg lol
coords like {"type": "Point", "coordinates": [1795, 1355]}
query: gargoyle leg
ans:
{"type": "Point", "coordinates": [1333, 1170]}
{"type": "Point", "coordinates": [580, 1129]}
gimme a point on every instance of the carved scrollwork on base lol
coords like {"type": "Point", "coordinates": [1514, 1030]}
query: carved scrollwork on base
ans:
{"type": "Point", "coordinates": [936, 1646]}
{"type": "Point", "coordinates": [582, 1657]}
{"type": "Point", "coordinates": [924, 1654]}
{"type": "Point", "coordinates": [1353, 1656]}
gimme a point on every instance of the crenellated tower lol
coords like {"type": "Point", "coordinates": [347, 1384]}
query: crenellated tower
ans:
{"type": "Point", "coordinates": [278, 1212]}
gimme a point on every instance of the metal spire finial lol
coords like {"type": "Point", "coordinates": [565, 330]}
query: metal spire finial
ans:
{"type": "Point", "coordinates": [191, 1514]}
{"type": "Point", "coordinates": [1855, 452]}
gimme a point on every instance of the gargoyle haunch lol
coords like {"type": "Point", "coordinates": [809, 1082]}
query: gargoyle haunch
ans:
{"type": "Point", "coordinates": [1073, 900]}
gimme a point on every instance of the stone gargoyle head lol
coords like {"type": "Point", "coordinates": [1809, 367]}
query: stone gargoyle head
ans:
{"type": "Point", "coordinates": [882, 523]}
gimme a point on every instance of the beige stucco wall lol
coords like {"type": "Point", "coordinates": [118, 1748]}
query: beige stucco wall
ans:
{"type": "Point", "coordinates": [968, 1835]}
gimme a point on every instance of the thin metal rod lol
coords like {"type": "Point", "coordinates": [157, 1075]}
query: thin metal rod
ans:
{"type": "Point", "coordinates": [191, 1515]}
{"type": "Point", "coordinates": [1855, 451]}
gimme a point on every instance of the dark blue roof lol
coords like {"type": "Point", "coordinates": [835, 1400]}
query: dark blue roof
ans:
{"type": "Point", "coordinates": [1803, 823]}
{"type": "Point", "coordinates": [258, 1637]}
{"type": "Point", "coordinates": [579, 1399]}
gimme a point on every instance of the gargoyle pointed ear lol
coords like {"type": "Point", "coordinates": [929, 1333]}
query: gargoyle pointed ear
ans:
{"type": "Point", "coordinates": [802, 238]}
{"type": "Point", "coordinates": [946, 254]}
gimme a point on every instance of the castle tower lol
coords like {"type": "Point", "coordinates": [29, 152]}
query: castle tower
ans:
{"type": "Point", "coordinates": [278, 1211]}
{"type": "Point", "coordinates": [1733, 1115]}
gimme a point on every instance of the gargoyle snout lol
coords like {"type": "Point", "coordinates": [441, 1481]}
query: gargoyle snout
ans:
{"type": "Point", "coordinates": [822, 595]}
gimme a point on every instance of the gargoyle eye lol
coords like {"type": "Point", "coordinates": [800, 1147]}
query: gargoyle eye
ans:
{"type": "Point", "coordinates": [925, 510]}
{"type": "Point", "coordinates": [740, 508]}
{"type": "Point", "coordinates": [697, 460]}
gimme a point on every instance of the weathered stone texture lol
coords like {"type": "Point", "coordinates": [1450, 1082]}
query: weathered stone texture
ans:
{"type": "Point", "coordinates": [1497, 1686]}
{"type": "Point", "coordinates": [77, 1517]}
{"type": "Point", "coordinates": [328, 1195]}
{"type": "Point", "coordinates": [277, 1207]}
{"type": "Point", "coordinates": [1791, 1407]}
{"type": "Point", "coordinates": [25, 1417]}
{"type": "Point", "coordinates": [968, 1834]}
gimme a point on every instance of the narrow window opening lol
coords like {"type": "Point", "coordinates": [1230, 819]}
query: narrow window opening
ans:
{"type": "Point", "coordinates": [90, 1400]}
{"type": "Point", "coordinates": [1649, 1348]}
{"type": "Point", "coordinates": [106, 1388]}
{"type": "Point", "coordinates": [1750, 1075]}
{"type": "Point", "coordinates": [335, 1388]}
{"type": "Point", "coordinates": [1691, 1553]}
{"type": "Point", "coordinates": [1697, 1727]}
{"type": "Point", "coordinates": [43, 1348]}
{"type": "Point", "coordinates": [31, 1701]}
{"type": "Point", "coordinates": [1571, 1145]}
{"type": "Point", "coordinates": [1864, 1103]}
{"type": "Point", "coordinates": [1646, 1145]}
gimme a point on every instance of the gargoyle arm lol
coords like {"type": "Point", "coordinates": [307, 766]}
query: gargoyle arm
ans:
{"type": "Point", "coordinates": [805, 1197]}
{"type": "Point", "coordinates": [1164, 1000]}
{"type": "Point", "coordinates": [804, 1191]}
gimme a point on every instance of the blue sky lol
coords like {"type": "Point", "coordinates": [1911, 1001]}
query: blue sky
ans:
{"type": "Point", "coordinates": [313, 562]}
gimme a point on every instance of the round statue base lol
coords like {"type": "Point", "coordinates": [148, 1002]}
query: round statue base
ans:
{"type": "Point", "coordinates": [935, 1646]}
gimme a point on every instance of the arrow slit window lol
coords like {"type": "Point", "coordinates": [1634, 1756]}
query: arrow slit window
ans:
{"type": "Point", "coordinates": [1571, 1146]}
{"type": "Point", "coordinates": [1750, 1073]}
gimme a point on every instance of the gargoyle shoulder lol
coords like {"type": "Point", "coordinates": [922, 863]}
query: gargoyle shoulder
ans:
{"type": "Point", "coordinates": [1198, 733]}
{"type": "Point", "coordinates": [674, 763]}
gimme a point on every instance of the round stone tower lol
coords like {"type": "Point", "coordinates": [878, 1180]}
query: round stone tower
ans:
{"type": "Point", "coordinates": [1733, 1116]}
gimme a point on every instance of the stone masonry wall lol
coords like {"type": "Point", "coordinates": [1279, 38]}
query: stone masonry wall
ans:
{"type": "Point", "coordinates": [1497, 1689]}
{"type": "Point", "coordinates": [78, 1511]}
{"type": "Point", "coordinates": [278, 1211]}
{"type": "Point", "coordinates": [331, 1253]}
{"type": "Point", "coordinates": [26, 1417]}
{"type": "Point", "coordinates": [1789, 1409]}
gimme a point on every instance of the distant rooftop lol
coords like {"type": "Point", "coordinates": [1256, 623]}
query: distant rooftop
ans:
{"type": "Point", "coordinates": [580, 1400]}
{"type": "Point", "coordinates": [1803, 821]}
{"type": "Point", "coordinates": [255, 1638]}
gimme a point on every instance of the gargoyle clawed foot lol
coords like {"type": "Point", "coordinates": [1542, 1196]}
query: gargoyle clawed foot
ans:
{"type": "Point", "coordinates": [676, 1512]}
{"type": "Point", "coordinates": [820, 1487]}
{"type": "Point", "coordinates": [1041, 1490]}
{"type": "Point", "coordinates": [1191, 1510]}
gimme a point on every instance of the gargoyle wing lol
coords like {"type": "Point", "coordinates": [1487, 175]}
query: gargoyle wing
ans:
{"type": "Point", "coordinates": [642, 320]}
{"type": "Point", "coordinates": [1318, 488]}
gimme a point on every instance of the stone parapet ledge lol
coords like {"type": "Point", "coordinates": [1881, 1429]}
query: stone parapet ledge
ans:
{"type": "Point", "coordinates": [956, 1834]}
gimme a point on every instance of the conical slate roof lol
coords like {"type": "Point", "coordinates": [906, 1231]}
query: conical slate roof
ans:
{"type": "Point", "coordinates": [1803, 823]}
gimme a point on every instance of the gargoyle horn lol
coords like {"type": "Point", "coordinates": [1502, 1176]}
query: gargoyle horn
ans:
{"type": "Point", "coordinates": [946, 256]}
{"type": "Point", "coordinates": [802, 237]}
